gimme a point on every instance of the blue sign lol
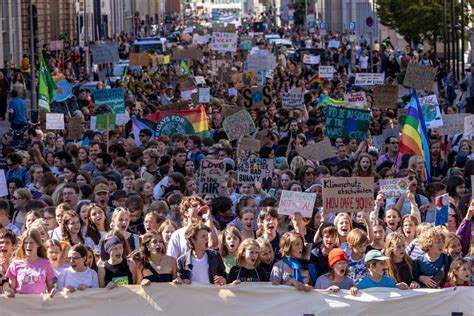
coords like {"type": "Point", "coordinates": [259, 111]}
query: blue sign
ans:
{"type": "Point", "coordinates": [352, 26]}
{"type": "Point", "coordinates": [111, 98]}
{"type": "Point", "coordinates": [323, 26]}
{"type": "Point", "coordinates": [311, 24]}
{"type": "Point", "coordinates": [63, 92]}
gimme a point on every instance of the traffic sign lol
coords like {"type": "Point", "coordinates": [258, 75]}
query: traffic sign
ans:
{"type": "Point", "coordinates": [369, 21]}
{"type": "Point", "coordinates": [352, 26]}
{"type": "Point", "coordinates": [311, 24]}
{"type": "Point", "coordinates": [322, 26]}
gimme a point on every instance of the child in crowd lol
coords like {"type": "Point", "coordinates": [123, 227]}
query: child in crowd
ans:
{"type": "Point", "coordinates": [78, 275]}
{"type": "Point", "coordinates": [337, 278]}
{"type": "Point", "coordinates": [392, 219]}
{"type": "Point", "coordinates": [166, 229]}
{"type": "Point", "coordinates": [229, 241]}
{"type": "Point", "coordinates": [357, 240]}
{"type": "Point", "coordinates": [400, 266]}
{"type": "Point", "coordinates": [266, 256]}
{"type": "Point", "coordinates": [433, 265]}
{"type": "Point", "coordinates": [343, 223]}
{"type": "Point", "coordinates": [376, 264]}
{"type": "Point", "coordinates": [247, 267]}
{"type": "Point", "coordinates": [409, 224]}
{"type": "Point", "coordinates": [200, 264]}
{"type": "Point", "coordinates": [4, 220]}
{"type": "Point", "coordinates": [151, 222]}
{"type": "Point", "coordinates": [30, 272]}
{"type": "Point", "coordinates": [54, 253]}
{"type": "Point", "coordinates": [7, 245]}
{"type": "Point", "coordinates": [121, 221]}
{"type": "Point", "coordinates": [290, 270]}
{"type": "Point", "coordinates": [459, 274]}
{"type": "Point", "coordinates": [379, 232]}
{"type": "Point", "coordinates": [319, 254]}
{"type": "Point", "coordinates": [452, 245]}
{"type": "Point", "coordinates": [267, 228]}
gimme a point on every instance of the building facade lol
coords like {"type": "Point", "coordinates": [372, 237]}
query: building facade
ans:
{"type": "Point", "coordinates": [11, 48]}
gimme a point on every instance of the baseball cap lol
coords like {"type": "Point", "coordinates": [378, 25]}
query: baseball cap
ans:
{"type": "Point", "coordinates": [101, 187]}
{"type": "Point", "coordinates": [375, 255]}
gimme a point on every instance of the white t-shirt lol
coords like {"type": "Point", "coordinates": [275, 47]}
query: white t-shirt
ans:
{"type": "Point", "coordinates": [177, 245]}
{"type": "Point", "coordinates": [69, 277]}
{"type": "Point", "coordinates": [364, 62]}
{"type": "Point", "coordinates": [200, 270]}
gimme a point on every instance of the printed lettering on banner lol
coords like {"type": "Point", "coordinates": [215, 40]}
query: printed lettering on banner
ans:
{"type": "Point", "coordinates": [251, 170]}
{"type": "Point", "coordinates": [296, 202]}
{"type": "Point", "coordinates": [210, 176]}
{"type": "Point", "coordinates": [393, 188]}
{"type": "Point", "coordinates": [369, 79]}
{"type": "Point", "coordinates": [354, 194]}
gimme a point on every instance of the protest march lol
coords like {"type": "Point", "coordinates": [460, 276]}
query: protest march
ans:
{"type": "Point", "coordinates": [237, 168]}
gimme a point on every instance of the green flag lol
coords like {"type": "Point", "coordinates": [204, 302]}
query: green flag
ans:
{"type": "Point", "coordinates": [46, 86]}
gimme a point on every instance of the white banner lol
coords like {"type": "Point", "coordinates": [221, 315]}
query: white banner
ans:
{"type": "Point", "coordinates": [326, 72]}
{"type": "Point", "coordinates": [369, 79]}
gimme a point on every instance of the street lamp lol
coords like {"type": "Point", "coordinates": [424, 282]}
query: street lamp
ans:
{"type": "Point", "coordinates": [32, 58]}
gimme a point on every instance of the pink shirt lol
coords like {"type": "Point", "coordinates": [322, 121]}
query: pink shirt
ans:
{"type": "Point", "coordinates": [31, 277]}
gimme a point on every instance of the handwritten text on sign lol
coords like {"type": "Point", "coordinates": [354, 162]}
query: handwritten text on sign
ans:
{"type": "Point", "coordinates": [292, 202]}
{"type": "Point", "coordinates": [347, 123]}
{"type": "Point", "coordinates": [224, 42]}
{"type": "Point", "coordinates": [393, 188]}
{"type": "Point", "coordinates": [211, 175]}
{"type": "Point", "coordinates": [348, 194]}
{"type": "Point", "coordinates": [238, 124]}
{"type": "Point", "coordinates": [253, 170]}
{"type": "Point", "coordinates": [294, 99]}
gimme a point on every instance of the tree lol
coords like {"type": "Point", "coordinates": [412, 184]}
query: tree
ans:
{"type": "Point", "coordinates": [417, 20]}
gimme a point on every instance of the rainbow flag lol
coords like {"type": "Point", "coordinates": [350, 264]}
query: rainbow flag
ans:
{"type": "Point", "coordinates": [314, 82]}
{"type": "Point", "coordinates": [414, 139]}
{"type": "Point", "coordinates": [185, 122]}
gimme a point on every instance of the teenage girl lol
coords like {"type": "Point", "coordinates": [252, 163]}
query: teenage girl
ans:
{"type": "Point", "coordinates": [379, 229]}
{"type": "Point", "coordinates": [55, 256]}
{"type": "Point", "coordinates": [247, 267]}
{"type": "Point", "coordinates": [400, 266]}
{"type": "Point", "coordinates": [343, 223]}
{"type": "Point", "coordinates": [121, 221]}
{"type": "Point", "coordinates": [166, 229]}
{"type": "Point", "coordinates": [30, 272]}
{"type": "Point", "coordinates": [97, 224]}
{"type": "Point", "coordinates": [229, 241]}
{"type": "Point", "coordinates": [151, 222]}
{"type": "Point", "coordinates": [78, 275]}
{"type": "Point", "coordinates": [153, 265]}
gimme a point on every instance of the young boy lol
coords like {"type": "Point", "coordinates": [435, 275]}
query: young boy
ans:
{"type": "Point", "coordinates": [319, 254]}
{"type": "Point", "coordinates": [136, 205]}
{"type": "Point", "coordinates": [4, 221]}
{"type": "Point", "coordinates": [433, 265]}
{"type": "Point", "coordinates": [200, 264]}
{"type": "Point", "coordinates": [376, 264]}
{"type": "Point", "coordinates": [357, 240]}
{"type": "Point", "coordinates": [7, 245]}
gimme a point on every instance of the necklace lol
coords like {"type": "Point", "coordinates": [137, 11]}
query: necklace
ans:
{"type": "Point", "coordinates": [158, 265]}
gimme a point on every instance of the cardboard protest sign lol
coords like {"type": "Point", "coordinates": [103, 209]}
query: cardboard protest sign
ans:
{"type": "Point", "coordinates": [311, 59]}
{"type": "Point", "coordinates": [431, 111]}
{"type": "Point", "coordinates": [326, 72]}
{"type": "Point", "coordinates": [54, 121]}
{"type": "Point", "coordinates": [442, 209]}
{"type": "Point", "coordinates": [109, 99]}
{"type": "Point", "coordinates": [139, 59]}
{"type": "Point", "coordinates": [74, 128]}
{"type": "Point", "coordinates": [320, 151]}
{"type": "Point", "coordinates": [246, 43]}
{"type": "Point", "coordinates": [257, 97]}
{"type": "Point", "coordinates": [3, 183]}
{"type": "Point", "coordinates": [393, 188]}
{"type": "Point", "coordinates": [105, 53]}
{"type": "Point", "coordinates": [238, 124]}
{"type": "Point", "coordinates": [347, 123]}
{"type": "Point", "coordinates": [229, 110]}
{"type": "Point", "coordinates": [356, 100]}
{"type": "Point", "coordinates": [420, 77]}
{"type": "Point", "coordinates": [354, 194]}
{"type": "Point", "coordinates": [293, 99]}
{"type": "Point", "coordinates": [224, 42]}
{"type": "Point", "coordinates": [211, 175]}
{"type": "Point", "coordinates": [251, 170]}
{"type": "Point", "coordinates": [261, 62]}
{"type": "Point", "coordinates": [469, 125]}
{"type": "Point", "coordinates": [453, 124]}
{"type": "Point", "coordinates": [191, 52]}
{"type": "Point", "coordinates": [369, 79]}
{"type": "Point", "coordinates": [292, 202]}
{"type": "Point", "coordinates": [386, 96]}
{"type": "Point", "coordinates": [201, 39]}
{"type": "Point", "coordinates": [246, 146]}
{"type": "Point", "coordinates": [204, 95]}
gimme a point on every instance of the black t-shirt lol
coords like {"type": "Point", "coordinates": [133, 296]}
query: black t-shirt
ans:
{"type": "Point", "coordinates": [319, 260]}
{"type": "Point", "coordinates": [247, 275]}
{"type": "Point", "coordinates": [404, 272]}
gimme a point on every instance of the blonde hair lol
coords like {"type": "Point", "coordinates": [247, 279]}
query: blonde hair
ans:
{"type": "Point", "coordinates": [287, 241]}
{"type": "Point", "coordinates": [357, 238]}
{"type": "Point", "coordinates": [240, 255]}
{"type": "Point", "coordinates": [449, 238]}
{"type": "Point", "coordinates": [36, 236]}
{"type": "Point", "coordinates": [427, 239]}
{"type": "Point", "coordinates": [389, 249]}
{"type": "Point", "coordinates": [337, 220]}
{"type": "Point", "coordinates": [297, 163]}
{"type": "Point", "coordinates": [116, 215]}
{"type": "Point", "coordinates": [229, 230]}
{"type": "Point", "coordinates": [165, 224]}
{"type": "Point", "coordinates": [453, 270]}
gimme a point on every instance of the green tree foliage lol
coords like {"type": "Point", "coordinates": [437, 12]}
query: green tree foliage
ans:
{"type": "Point", "coordinates": [417, 20]}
